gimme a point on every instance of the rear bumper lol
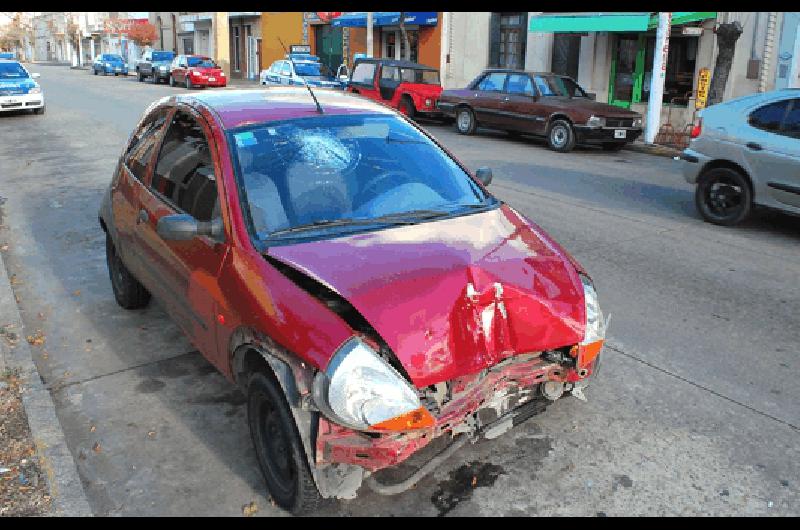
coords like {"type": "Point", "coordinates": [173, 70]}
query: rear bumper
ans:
{"type": "Point", "coordinates": [21, 102]}
{"type": "Point", "coordinates": [599, 135]}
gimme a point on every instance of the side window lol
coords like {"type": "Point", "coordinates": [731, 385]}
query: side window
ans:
{"type": "Point", "coordinates": [769, 117]}
{"type": "Point", "coordinates": [791, 124]}
{"type": "Point", "coordinates": [364, 73]}
{"type": "Point", "coordinates": [140, 149]}
{"type": "Point", "coordinates": [275, 68]}
{"type": "Point", "coordinates": [493, 82]}
{"type": "Point", "coordinates": [520, 84]}
{"type": "Point", "coordinates": [185, 172]}
{"type": "Point", "coordinates": [543, 86]}
{"type": "Point", "coordinates": [390, 72]}
{"type": "Point", "coordinates": [286, 68]}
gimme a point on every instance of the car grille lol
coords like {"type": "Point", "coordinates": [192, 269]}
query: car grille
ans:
{"type": "Point", "coordinates": [12, 91]}
{"type": "Point", "coordinates": [11, 105]}
{"type": "Point", "coordinates": [619, 122]}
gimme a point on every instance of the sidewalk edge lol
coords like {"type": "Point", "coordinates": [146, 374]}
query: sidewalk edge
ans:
{"type": "Point", "coordinates": [55, 459]}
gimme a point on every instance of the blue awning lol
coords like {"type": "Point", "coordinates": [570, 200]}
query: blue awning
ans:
{"type": "Point", "coordinates": [359, 19]}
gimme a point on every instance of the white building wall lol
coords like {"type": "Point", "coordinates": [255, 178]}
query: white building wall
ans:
{"type": "Point", "coordinates": [468, 48]}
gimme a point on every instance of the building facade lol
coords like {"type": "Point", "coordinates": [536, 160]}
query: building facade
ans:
{"type": "Point", "coordinates": [195, 34]}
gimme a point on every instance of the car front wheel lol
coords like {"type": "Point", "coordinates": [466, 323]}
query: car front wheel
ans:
{"type": "Point", "coordinates": [128, 292]}
{"type": "Point", "coordinates": [560, 136]}
{"type": "Point", "coordinates": [723, 196]}
{"type": "Point", "coordinates": [465, 121]}
{"type": "Point", "coordinates": [406, 107]}
{"type": "Point", "coordinates": [279, 449]}
{"type": "Point", "coordinates": [171, 80]}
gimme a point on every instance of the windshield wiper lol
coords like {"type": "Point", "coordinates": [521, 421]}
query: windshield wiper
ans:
{"type": "Point", "coordinates": [325, 223]}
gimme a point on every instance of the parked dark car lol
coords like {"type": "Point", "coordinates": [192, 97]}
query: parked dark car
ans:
{"type": "Point", "coordinates": [109, 63]}
{"type": "Point", "coordinates": [360, 285]}
{"type": "Point", "coordinates": [155, 64]}
{"type": "Point", "coordinates": [411, 88]}
{"type": "Point", "coordinates": [542, 104]}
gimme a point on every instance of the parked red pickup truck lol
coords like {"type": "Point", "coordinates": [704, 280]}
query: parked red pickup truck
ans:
{"type": "Point", "coordinates": [409, 87]}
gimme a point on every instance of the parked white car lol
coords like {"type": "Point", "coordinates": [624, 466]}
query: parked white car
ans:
{"type": "Point", "coordinates": [746, 152]}
{"type": "Point", "coordinates": [18, 88]}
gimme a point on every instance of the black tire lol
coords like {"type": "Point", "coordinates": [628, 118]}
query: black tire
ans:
{"type": "Point", "coordinates": [613, 146]}
{"type": "Point", "coordinates": [560, 136]}
{"type": "Point", "coordinates": [723, 196]}
{"type": "Point", "coordinates": [171, 80]}
{"type": "Point", "coordinates": [40, 110]}
{"type": "Point", "coordinates": [465, 120]}
{"type": "Point", "coordinates": [407, 108]}
{"type": "Point", "coordinates": [128, 292]}
{"type": "Point", "coordinates": [140, 76]}
{"type": "Point", "coordinates": [278, 446]}
{"type": "Point", "coordinates": [94, 70]}
{"type": "Point", "coordinates": [188, 82]}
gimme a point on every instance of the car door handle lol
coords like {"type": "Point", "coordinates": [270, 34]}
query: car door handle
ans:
{"type": "Point", "coordinates": [505, 99]}
{"type": "Point", "coordinates": [143, 217]}
{"type": "Point", "coordinates": [754, 146]}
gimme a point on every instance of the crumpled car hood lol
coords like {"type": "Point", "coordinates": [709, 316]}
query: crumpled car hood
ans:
{"type": "Point", "coordinates": [454, 296]}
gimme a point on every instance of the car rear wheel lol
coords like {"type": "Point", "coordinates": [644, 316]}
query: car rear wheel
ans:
{"type": "Point", "coordinates": [613, 146]}
{"type": "Point", "coordinates": [406, 107]}
{"type": "Point", "coordinates": [279, 449]}
{"type": "Point", "coordinates": [723, 196]}
{"type": "Point", "coordinates": [140, 76]}
{"type": "Point", "coordinates": [94, 70]}
{"type": "Point", "coordinates": [171, 80]}
{"type": "Point", "coordinates": [465, 121]}
{"type": "Point", "coordinates": [560, 136]}
{"type": "Point", "coordinates": [128, 292]}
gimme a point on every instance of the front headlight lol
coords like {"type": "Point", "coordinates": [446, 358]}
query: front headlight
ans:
{"type": "Point", "coordinates": [637, 122]}
{"type": "Point", "coordinates": [108, 64]}
{"type": "Point", "coordinates": [596, 121]}
{"type": "Point", "coordinates": [35, 90]}
{"type": "Point", "coordinates": [427, 102]}
{"type": "Point", "coordinates": [362, 391]}
{"type": "Point", "coordinates": [162, 68]}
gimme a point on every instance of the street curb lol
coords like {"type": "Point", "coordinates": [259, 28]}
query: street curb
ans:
{"type": "Point", "coordinates": [652, 149]}
{"type": "Point", "coordinates": [55, 459]}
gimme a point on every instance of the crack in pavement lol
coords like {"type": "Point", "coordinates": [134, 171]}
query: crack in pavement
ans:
{"type": "Point", "coordinates": [617, 349]}
{"type": "Point", "coordinates": [56, 387]}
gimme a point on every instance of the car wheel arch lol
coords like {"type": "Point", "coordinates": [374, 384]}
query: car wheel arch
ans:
{"type": "Point", "coordinates": [559, 116]}
{"type": "Point", "coordinates": [728, 164]}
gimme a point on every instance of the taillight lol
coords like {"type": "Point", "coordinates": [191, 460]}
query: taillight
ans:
{"type": "Point", "coordinates": [697, 129]}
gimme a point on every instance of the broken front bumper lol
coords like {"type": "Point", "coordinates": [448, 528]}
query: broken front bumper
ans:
{"type": "Point", "coordinates": [484, 403]}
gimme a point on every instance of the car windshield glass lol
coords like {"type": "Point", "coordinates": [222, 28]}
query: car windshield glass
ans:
{"type": "Point", "coordinates": [202, 62]}
{"type": "Point", "coordinates": [307, 69]}
{"type": "Point", "coordinates": [163, 56]}
{"type": "Point", "coordinates": [115, 58]}
{"type": "Point", "coordinates": [558, 86]}
{"type": "Point", "coordinates": [426, 77]}
{"type": "Point", "coordinates": [12, 70]}
{"type": "Point", "coordinates": [346, 172]}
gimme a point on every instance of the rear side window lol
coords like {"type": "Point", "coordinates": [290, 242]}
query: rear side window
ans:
{"type": "Point", "coordinates": [140, 149]}
{"type": "Point", "coordinates": [492, 82]}
{"type": "Point", "coordinates": [791, 124]}
{"type": "Point", "coordinates": [184, 172]}
{"type": "Point", "coordinates": [769, 117]}
{"type": "Point", "coordinates": [520, 84]}
{"type": "Point", "coordinates": [364, 73]}
{"type": "Point", "coordinates": [286, 68]}
{"type": "Point", "coordinates": [390, 72]}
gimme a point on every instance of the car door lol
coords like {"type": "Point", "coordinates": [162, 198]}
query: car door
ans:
{"type": "Point", "coordinates": [185, 273]}
{"type": "Point", "coordinates": [362, 80]}
{"type": "Point", "coordinates": [772, 149]}
{"type": "Point", "coordinates": [520, 104]}
{"type": "Point", "coordinates": [488, 99]}
{"type": "Point", "coordinates": [273, 73]}
{"type": "Point", "coordinates": [129, 184]}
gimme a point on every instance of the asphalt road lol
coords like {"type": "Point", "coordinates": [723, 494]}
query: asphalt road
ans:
{"type": "Point", "coordinates": [695, 410]}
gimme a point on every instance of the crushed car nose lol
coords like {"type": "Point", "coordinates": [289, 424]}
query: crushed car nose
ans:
{"type": "Point", "coordinates": [489, 432]}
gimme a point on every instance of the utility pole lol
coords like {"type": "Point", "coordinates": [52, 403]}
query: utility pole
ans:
{"type": "Point", "coordinates": [657, 78]}
{"type": "Point", "coordinates": [369, 33]}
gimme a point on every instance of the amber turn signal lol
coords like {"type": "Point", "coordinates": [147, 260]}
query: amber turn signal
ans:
{"type": "Point", "coordinates": [416, 419]}
{"type": "Point", "coordinates": [587, 353]}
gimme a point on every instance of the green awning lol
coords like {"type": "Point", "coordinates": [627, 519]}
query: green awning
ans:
{"type": "Point", "coordinates": [614, 22]}
{"type": "Point", "coordinates": [589, 22]}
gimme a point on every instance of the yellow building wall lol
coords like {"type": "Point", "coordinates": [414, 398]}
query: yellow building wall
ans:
{"type": "Point", "coordinates": [429, 45]}
{"type": "Point", "coordinates": [286, 26]}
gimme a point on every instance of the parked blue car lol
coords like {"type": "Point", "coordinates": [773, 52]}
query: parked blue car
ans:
{"type": "Point", "coordinates": [108, 63]}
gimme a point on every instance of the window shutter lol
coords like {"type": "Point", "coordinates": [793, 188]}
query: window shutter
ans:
{"type": "Point", "coordinates": [494, 40]}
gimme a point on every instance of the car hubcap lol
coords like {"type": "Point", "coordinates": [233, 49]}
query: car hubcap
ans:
{"type": "Point", "coordinates": [724, 198]}
{"type": "Point", "coordinates": [558, 136]}
{"type": "Point", "coordinates": [463, 120]}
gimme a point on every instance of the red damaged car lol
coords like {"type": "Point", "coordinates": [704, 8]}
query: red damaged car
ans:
{"type": "Point", "coordinates": [196, 71]}
{"type": "Point", "coordinates": [350, 275]}
{"type": "Point", "coordinates": [411, 88]}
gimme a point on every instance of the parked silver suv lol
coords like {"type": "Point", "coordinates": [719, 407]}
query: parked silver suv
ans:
{"type": "Point", "coordinates": [746, 152]}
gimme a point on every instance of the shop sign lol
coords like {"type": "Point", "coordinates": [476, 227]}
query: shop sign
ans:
{"type": "Point", "coordinates": [702, 88]}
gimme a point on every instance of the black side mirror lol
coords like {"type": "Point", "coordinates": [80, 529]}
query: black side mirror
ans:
{"type": "Point", "coordinates": [484, 174]}
{"type": "Point", "coordinates": [183, 227]}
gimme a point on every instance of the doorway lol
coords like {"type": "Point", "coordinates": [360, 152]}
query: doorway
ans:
{"type": "Point", "coordinates": [329, 46]}
{"type": "Point", "coordinates": [627, 67]}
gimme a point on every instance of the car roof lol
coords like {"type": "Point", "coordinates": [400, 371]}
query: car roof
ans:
{"type": "Point", "coordinates": [249, 106]}
{"type": "Point", "coordinates": [518, 71]}
{"type": "Point", "coordinates": [396, 62]}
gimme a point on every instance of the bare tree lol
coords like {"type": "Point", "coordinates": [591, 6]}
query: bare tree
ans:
{"type": "Point", "coordinates": [404, 33]}
{"type": "Point", "coordinates": [727, 35]}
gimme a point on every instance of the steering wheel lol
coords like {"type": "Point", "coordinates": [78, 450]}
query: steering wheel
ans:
{"type": "Point", "coordinates": [366, 192]}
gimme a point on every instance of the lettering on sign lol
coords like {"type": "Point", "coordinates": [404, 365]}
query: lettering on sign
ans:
{"type": "Point", "coordinates": [703, 80]}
